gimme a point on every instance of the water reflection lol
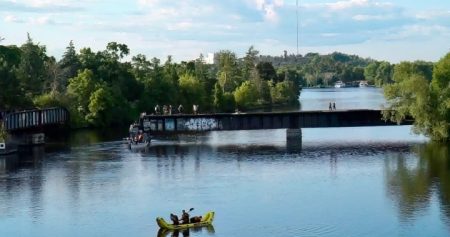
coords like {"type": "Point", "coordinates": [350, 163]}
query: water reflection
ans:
{"type": "Point", "coordinates": [187, 232]}
{"type": "Point", "coordinates": [27, 163]}
{"type": "Point", "coordinates": [412, 183]}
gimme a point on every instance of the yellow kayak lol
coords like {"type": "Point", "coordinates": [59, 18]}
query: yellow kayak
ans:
{"type": "Point", "coordinates": [207, 219]}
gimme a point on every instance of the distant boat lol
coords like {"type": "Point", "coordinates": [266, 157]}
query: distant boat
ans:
{"type": "Point", "coordinates": [339, 84]}
{"type": "Point", "coordinates": [363, 84]}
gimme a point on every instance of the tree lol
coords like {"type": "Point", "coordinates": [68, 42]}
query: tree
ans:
{"type": "Point", "coordinates": [250, 61]}
{"type": "Point", "coordinates": [383, 74]}
{"type": "Point", "coordinates": [228, 76]}
{"type": "Point", "coordinates": [31, 70]}
{"type": "Point", "coordinates": [370, 72]}
{"type": "Point", "coordinates": [191, 91]}
{"type": "Point", "coordinates": [79, 91]}
{"type": "Point", "coordinates": [266, 71]}
{"type": "Point", "coordinates": [218, 97]}
{"type": "Point", "coordinates": [11, 95]}
{"type": "Point", "coordinates": [246, 95]}
{"type": "Point", "coordinates": [411, 94]}
{"type": "Point", "coordinates": [69, 66]}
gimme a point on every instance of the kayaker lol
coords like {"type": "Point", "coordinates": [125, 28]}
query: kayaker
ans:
{"type": "Point", "coordinates": [174, 219]}
{"type": "Point", "coordinates": [196, 219]}
{"type": "Point", "coordinates": [185, 217]}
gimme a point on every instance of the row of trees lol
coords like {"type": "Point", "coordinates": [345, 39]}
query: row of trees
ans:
{"type": "Point", "coordinates": [103, 89]}
{"type": "Point", "coordinates": [325, 70]}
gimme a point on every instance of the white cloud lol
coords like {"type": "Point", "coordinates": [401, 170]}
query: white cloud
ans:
{"type": "Point", "coordinates": [47, 3]}
{"type": "Point", "coordinates": [341, 5]}
{"type": "Point", "coordinates": [148, 2]}
{"type": "Point", "coordinates": [183, 25]}
{"type": "Point", "coordinates": [363, 17]}
{"type": "Point", "coordinates": [269, 8]}
{"type": "Point", "coordinates": [12, 19]}
{"type": "Point", "coordinates": [43, 20]}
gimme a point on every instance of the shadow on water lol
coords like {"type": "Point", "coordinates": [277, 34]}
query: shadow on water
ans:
{"type": "Point", "coordinates": [176, 233]}
{"type": "Point", "coordinates": [412, 183]}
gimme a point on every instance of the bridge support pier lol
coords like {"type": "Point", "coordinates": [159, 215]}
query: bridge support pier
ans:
{"type": "Point", "coordinates": [294, 139]}
{"type": "Point", "coordinates": [28, 139]}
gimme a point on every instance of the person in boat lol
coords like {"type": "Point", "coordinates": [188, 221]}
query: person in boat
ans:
{"type": "Point", "coordinates": [174, 219]}
{"type": "Point", "coordinates": [196, 219]}
{"type": "Point", "coordinates": [140, 137]}
{"type": "Point", "coordinates": [185, 217]}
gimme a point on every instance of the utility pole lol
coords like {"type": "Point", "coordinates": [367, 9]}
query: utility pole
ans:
{"type": "Point", "coordinates": [297, 24]}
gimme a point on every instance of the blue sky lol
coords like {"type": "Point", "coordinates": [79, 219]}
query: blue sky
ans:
{"type": "Point", "coordinates": [393, 30]}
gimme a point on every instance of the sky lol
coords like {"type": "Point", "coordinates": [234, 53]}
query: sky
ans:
{"type": "Point", "coordinates": [392, 30]}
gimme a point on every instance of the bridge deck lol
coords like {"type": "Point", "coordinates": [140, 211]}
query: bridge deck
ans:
{"type": "Point", "coordinates": [274, 120]}
{"type": "Point", "coordinates": [35, 119]}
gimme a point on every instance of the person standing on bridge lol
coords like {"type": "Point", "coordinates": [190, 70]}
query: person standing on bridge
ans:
{"type": "Point", "coordinates": [180, 109]}
{"type": "Point", "coordinates": [334, 106]}
{"type": "Point", "coordinates": [157, 109]}
{"type": "Point", "coordinates": [329, 107]}
{"type": "Point", "coordinates": [195, 109]}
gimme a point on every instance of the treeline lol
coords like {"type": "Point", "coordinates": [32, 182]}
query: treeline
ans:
{"type": "Point", "coordinates": [324, 70]}
{"type": "Point", "coordinates": [103, 89]}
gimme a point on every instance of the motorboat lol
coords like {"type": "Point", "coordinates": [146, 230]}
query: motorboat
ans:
{"type": "Point", "coordinates": [339, 84]}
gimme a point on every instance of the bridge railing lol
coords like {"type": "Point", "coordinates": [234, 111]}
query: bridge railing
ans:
{"type": "Point", "coordinates": [35, 118]}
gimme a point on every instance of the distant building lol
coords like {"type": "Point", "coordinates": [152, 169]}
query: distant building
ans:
{"type": "Point", "coordinates": [209, 58]}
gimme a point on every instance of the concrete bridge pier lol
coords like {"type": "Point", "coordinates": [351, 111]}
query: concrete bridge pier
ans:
{"type": "Point", "coordinates": [294, 139]}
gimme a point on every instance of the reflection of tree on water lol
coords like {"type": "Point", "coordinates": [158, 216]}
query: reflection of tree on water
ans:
{"type": "Point", "coordinates": [412, 183]}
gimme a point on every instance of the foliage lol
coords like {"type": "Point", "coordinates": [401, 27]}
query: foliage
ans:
{"type": "Point", "coordinates": [246, 95]}
{"type": "Point", "coordinates": [192, 92]}
{"type": "Point", "coordinates": [427, 101]}
{"type": "Point", "coordinates": [3, 134]}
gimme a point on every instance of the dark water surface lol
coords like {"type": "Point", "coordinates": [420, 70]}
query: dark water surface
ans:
{"type": "Point", "coordinates": [379, 181]}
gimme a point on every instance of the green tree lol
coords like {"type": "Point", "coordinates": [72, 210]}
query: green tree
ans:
{"type": "Point", "coordinates": [69, 66]}
{"type": "Point", "coordinates": [228, 74]}
{"type": "Point", "coordinates": [370, 72]}
{"type": "Point", "coordinates": [191, 91]}
{"type": "Point", "coordinates": [11, 95]}
{"type": "Point", "coordinates": [411, 94]}
{"type": "Point", "coordinates": [250, 61]}
{"type": "Point", "coordinates": [266, 71]}
{"type": "Point", "coordinates": [79, 91]}
{"type": "Point", "coordinates": [31, 70]}
{"type": "Point", "coordinates": [218, 98]}
{"type": "Point", "coordinates": [246, 95]}
{"type": "Point", "coordinates": [383, 74]}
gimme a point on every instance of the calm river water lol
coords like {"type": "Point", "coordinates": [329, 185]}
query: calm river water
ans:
{"type": "Point", "coordinates": [377, 181]}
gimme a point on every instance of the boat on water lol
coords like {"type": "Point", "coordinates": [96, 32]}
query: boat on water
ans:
{"type": "Point", "coordinates": [363, 84]}
{"type": "Point", "coordinates": [339, 84]}
{"type": "Point", "coordinates": [207, 220]}
{"type": "Point", "coordinates": [137, 139]}
{"type": "Point", "coordinates": [138, 145]}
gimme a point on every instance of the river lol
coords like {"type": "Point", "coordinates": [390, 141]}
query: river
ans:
{"type": "Point", "coordinates": [373, 181]}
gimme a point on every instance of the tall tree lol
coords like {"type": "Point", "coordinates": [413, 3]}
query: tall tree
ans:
{"type": "Point", "coordinates": [31, 71]}
{"type": "Point", "coordinates": [69, 66]}
{"type": "Point", "coordinates": [228, 74]}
